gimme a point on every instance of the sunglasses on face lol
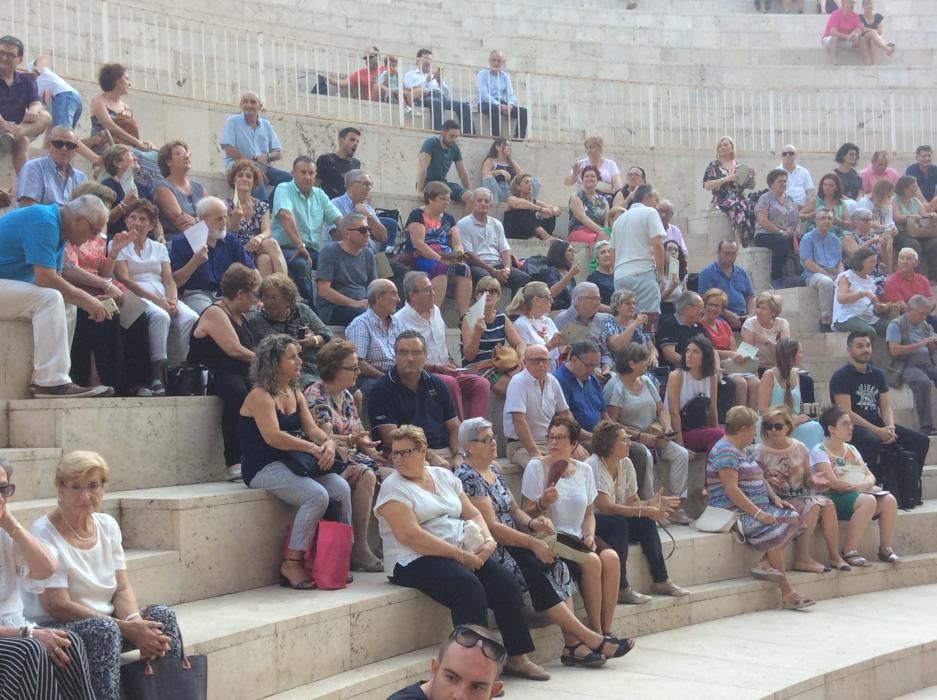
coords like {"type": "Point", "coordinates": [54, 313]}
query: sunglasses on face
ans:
{"type": "Point", "coordinates": [7, 490]}
{"type": "Point", "coordinates": [788, 153]}
{"type": "Point", "coordinates": [469, 638]}
{"type": "Point", "coordinates": [359, 229]}
{"type": "Point", "coordinates": [59, 143]}
{"type": "Point", "coordinates": [775, 426]}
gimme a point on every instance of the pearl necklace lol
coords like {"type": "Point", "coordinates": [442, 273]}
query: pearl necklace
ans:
{"type": "Point", "coordinates": [90, 538]}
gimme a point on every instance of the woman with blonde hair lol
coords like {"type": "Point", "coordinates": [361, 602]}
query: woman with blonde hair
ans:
{"type": "Point", "coordinates": [493, 329]}
{"type": "Point", "coordinates": [728, 192]}
{"type": "Point", "coordinates": [766, 328]}
{"type": "Point", "coordinates": [533, 323]}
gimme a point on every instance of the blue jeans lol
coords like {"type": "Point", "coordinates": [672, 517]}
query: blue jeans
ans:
{"type": "Point", "coordinates": [300, 271]}
{"type": "Point", "coordinates": [66, 109]}
{"type": "Point", "coordinates": [272, 178]}
{"type": "Point", "coordinates": [392, 227]}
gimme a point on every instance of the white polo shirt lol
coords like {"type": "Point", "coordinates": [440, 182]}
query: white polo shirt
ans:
{"type": "Point", "coordinates": [432, 330]}
{"type": "Point", "coordinates": [539, 405]}
{"type": "Point", "coordinates": [486, 240]}
{"type": "Point", "coordinates": [798, 182]}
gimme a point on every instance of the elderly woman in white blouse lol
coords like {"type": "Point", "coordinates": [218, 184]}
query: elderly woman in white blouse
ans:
{"type": "Point", "coordinates": [35, 662]}
{"type": "Point", "coordinates": [89, 593]}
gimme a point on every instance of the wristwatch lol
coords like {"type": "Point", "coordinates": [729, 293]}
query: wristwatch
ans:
{"type": "Point", "coordinates": [26, 632]}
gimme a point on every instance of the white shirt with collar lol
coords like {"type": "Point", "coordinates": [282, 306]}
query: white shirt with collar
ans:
{"type": "Point", "coordinates": [432, 330]}
{"type": "Point", "coordinates": [486, 240]}
{"type": "Point", "coordinates": [538, 404]}
{"type": "Point", "coordinates": [799, 183]}
{"type": "Point", "coordinates": [416, 78]}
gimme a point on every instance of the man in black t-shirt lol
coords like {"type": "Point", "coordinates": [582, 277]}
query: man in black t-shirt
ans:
{"type": "Point", "coordinates": [861, 390]}
{"type": "Point", "coordinates": [468, 666]}
{"type": "Point", "coordinates": [331, 167]}
{"type": "Point", "coordinates": [674, 332]}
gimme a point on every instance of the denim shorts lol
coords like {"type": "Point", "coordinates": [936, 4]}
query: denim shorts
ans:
{"type": "Point", "coordinates": [66, 109]}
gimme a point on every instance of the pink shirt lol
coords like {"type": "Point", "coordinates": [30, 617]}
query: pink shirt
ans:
{"type": "Point", "coordinates": [897, 288]}
{"type": "Point", "coordinates": [871, 178]}
{"type": "Point", "coordinates": [842, 23]}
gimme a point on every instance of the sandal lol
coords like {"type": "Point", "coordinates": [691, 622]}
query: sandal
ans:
{"type": "Point", "coordinates": [763, 573]}
{"type": "Point", "coordinates": [853, 558]}
{"type": "Point", "coordinates": [593, 659]}
{"type": "Point", "coordinates": [887, 555]}
{"type": "Point", "coordinates": [795, 601]}
{"type": "Point", "coordinates": [304, 585]}
{"type": "Point", "coordinates": [622, 646]}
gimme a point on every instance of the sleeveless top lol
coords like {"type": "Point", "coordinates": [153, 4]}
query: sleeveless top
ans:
{"type": "Point", "coordinates": [255, 452]}
{"type": "Point", "coordinates": [187, 203]}
{"type": "Point", "coordinates": [205, 351]}
{"type": "Point", "coordinates": [503, 166]}
{"type": "Point", "coordinates": [692, 387]}
{"type": "Point", "coordinates": [777, 393]}
{"type": "Point", "coordinates": [491, 336]}
{"type": "Point", "coordinates": [595, 210]}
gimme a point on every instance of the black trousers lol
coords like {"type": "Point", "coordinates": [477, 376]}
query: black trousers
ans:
{"type": "Point", "coordinates": [542, 594]}
{"type": "Point", "coordinates": [494, 118]}
{"type": "Point", "coordinates": [619, 532]}
{"type": "Point", "coordinates": [232, 386]}
{"type": "Point", "coordinates": [469, 594]}
{"type": "Point", "coordinates": [871, 448]}
{"type": "Point", "coordinates": [122, 357]}
{"type": "Point", "coordinates": [517, 279]}
{"type": "Point", "coordinates": [780, 247]}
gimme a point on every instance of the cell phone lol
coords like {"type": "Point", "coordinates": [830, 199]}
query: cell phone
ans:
{"type": "Point", "coordinates": [303, 332]}
{"type": "Point", "coordinates": [110, 305]}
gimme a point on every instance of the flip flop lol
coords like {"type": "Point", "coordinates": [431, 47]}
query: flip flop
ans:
{"type": "Point", "coordinates": [763, 574]}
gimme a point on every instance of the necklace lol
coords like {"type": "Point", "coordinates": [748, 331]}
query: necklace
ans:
{"type": "Point", "coordinates": [542, 331]}
{"type": "Point", "coordinates": [78, 537]}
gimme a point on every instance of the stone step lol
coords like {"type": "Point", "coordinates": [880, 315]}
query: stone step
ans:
{"type": "Point", "coordinates": [34, 470]}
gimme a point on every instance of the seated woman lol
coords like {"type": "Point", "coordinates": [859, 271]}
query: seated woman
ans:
{"type": "Point", "coordinates": [175, 194]}
{"type": "Point", "coordinates": [274, 421]}
{"type": "Point", "coordinates": [736, 482]}
{"type": "Point", "coordinates": [766, 328]}
{"type": "Point", "coordinates": [527, 217]}
{"type": "Point", "coordinates": [437, 542]}
{"type": "Point", "coordinates": [622, 327]}
{"type": "Point", "coordinates": [728, 192]}
{"type": "Point", "coordinates": [546, 580]}
{"type": "Point", "coordinates": [880, 203]}
{"type": "Point", "coordinates": [739, 369]}
{"type": "Point", "coordinates": [606, 168]}
{"type": "Point", "coordinates": [478, 343]}
{"type": "Point", "coordinates": [533, 324]}
{"type": "Point", "coordinates": [780, 386]}
{"type": "Point", "coordinates": [830, 197]}
{"type": "Point", "coordinates": [90, 593]}
{"type": "Point", "coordinates": [588, 211]}
{"type": "Point", "coordinates": [563, 489]}
{"type": "Point", "coordinates": [143, 268]}
{"type": "Point", "coordinates": [872, 27]}
{"type": "Point", "coordinates": [785, 462]}
{"type": "Point", "coordinates": [559, 274]}
{"type": "Point", "coordinates": [250, 217]}
{"type": "Point", "coordinates": [283, 311]}
{"type": "Point", "coordinates": [676, 277]}
{"type": "Point", "coordinates": [499, 169]}
{"type": "Point", "coordinates": [909, 207]}
{"type": "Point", "coordinates": [333, 408]}
{"type": "Point", "coordinates": [120, 164]}
{"type": "Point", "coordinates": [603, 276]}
{"type": "Point", "coordinates": [433, 241]}
{"type": "Point", "coordinates": [37, 662]}
{"type": "Point", "coordinates": [778, 224]}
{"type": "Point", "coordinates": [621, 518]}
{"type": "Point", "coordinates": [691, 397]}
{"type": "Point", "coordinates": [222, 343]}
{"type": "Point", "coordinates": [856, 306]}
{"type": "Point", "coordinates": [633, 400]}
{"type": "Point", "coordinates": [103, 352]}
{"type": "Point", "coordinates": [635, 177]}
{"type": "Point", "coordinates": [852, 489]}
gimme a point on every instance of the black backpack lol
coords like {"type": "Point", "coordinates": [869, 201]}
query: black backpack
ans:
{"type": "Point", "coordinates": [901, 474]}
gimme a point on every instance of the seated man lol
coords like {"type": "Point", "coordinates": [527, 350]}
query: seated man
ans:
{"type": "Point", "coordinates": [355, 199]}
{"type": "Point", "coordinates": [409, 395]}
{"type": "Point", "coordinates": [675, 331]}
{"type": "Point", "coordinates": [724, 274]}
{"type": "Point", "coordinates": [877, 170]}
{"type": "Point", "coordinates": [672, 233]}
{"type": "Point", "coordinates": [374, 333]}
{"type": "Point", "coordinates": [345, 270]}
{"type": "Point", "coordinates": [464, 668]}
{"type": "Point", "coordinates": [22, 117]}
{"type": "Point", "coordinates": [331, 167]}
{"type": "Point", "coordinates": [496, 96]}
{"type": "Point", "coordinates": [821, 254]}
{"type": "Point", "coordinates": [582, 320]}
{"type": "Point", "coordinates": [32, 251]}
{"type": "Point", "coordinates": [533, 398]}
{"type": "Point", "coordinates": [362, 84]}
{"type": "Point", "coordinates": [51, 178]}
{"type": "Point", "coordinates": [427, 88]}
{"type": "Point", "coordinates": [437, 155]}
{"type": "Point", "coordinates": [248, 135]}
{"type": "Point", "coordinates": [924, 171]}
{"type": "Point", "coordinates": [844, 31]}
{"type": "Point", "coordinates": [860, 390]}
{"type": "Point", "coordinates": [299, 212]}
{"type": "Point", "coordinates": [486, 249]}
{"type": "Point", "coordinates": [581, 389]}
{"type": "Point", "coordinates": [911, 340]}
{"type": "Point", "coordinates": [800, 185]}
{"type": "Point", "coordinates": [198, 273]}
{"type": "Point", "coordinates": [469, 391]}
{"type": "Point", "coordinates": [906, 281]}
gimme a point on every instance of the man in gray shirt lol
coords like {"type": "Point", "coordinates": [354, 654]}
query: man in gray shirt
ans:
{"type": "Point", "coordinates": [911, 341]}
{"type": "Point", "coordinates": [345, 270]}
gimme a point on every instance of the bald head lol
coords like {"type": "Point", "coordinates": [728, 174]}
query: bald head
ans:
{"type": "Point", "coordinates": [251, 104]}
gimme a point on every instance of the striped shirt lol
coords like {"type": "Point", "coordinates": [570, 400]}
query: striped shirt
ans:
{"type": "Point", "coordinates": [373, 340]}
{"type": "Point", "coordinates": [491, 336]}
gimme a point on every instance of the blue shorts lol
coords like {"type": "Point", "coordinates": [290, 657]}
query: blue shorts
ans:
{"type": "Point", "coordinates": [66, 109]}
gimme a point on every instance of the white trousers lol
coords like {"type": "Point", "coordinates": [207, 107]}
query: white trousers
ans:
{"type": "Point", "coordinates": [673, 467]}
{"type": "Point", "coordinates": [169, 335]}
{"type": "Point", "coordinates": [825, 288]}
{"type": "Point", "coordinates": [46, 309]}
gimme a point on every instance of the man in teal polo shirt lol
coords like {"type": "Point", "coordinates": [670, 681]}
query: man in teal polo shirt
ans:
{"type": "Point", "coordinates": [299, 212]}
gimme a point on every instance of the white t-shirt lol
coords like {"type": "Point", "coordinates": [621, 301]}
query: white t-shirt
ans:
{"type": "Point", "coordinates": [608, 170]}
{"type": "Point", "coordinates": [13, 575]}
{"type": "Point", "coordinates": [51, 82]}
{"type": "Point", "coordinates": [798, 183]}
{"type": "Point", "coordinates": [90, 575]}
{"type": "Point", "coordinates": [439, 513]}
{"type": "Point", "coordinates": [528, 329]}
{"type": "Point", "coordinates": [861, 308]}
{"type": "Point", "coordinates": [146, 268]}
{"type": "Point", "coordinates": [618, 490]}
{"type": "Point", "coordinates": [577, 492]}
{"type": "Point", "coordinates": [631, 238]}
{"type": "Point", "coordinates": [433, 332]}
{"type": "Point", "coordinates": [487, 240]}
{"type": "Point", "coordinates": [539, 405]}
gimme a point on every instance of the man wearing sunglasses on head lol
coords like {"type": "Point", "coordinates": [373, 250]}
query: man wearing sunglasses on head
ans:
{"type": "Point", "coordinates": [51, 179]}
{"type": "Point", "coordinates": [467, 667]}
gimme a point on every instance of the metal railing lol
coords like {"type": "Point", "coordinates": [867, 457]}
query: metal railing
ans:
{"type": "Point", "coordinates": [213, 61]}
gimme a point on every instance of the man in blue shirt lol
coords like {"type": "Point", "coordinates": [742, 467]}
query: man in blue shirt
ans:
{"type": "Point", "coordinates": [198, 273]}
{"type": "Point", "coordinates": [580, 387]}
{"type": "Point", "coordinates": [51, 179]}
{"type": "Point", "coordinates": [724, 274]}
{"type": "Point", "coordinates": [924, 171]}
{"type": "Point", "coordinates": [248, 135]}
{"type": "Point", "coordinates": [821, 254]}
{"type": "Point", "coordinates": [355, 200]}
{"type": "Point", "coordinates": [496, 96]}
{"type": "Point", "coordinates": [32, 250]}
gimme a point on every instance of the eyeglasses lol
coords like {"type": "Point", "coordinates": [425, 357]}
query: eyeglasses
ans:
{"type": "Point", "coordinates": [9, 54]}
{"type": "Point", "coordinates": [557, 438]}
{"type": "Point", "coordinates": [59, 143]}
{"type": "Point", "coordinates": [788, 153]}
{"type": "Point", "coordinates": [93, 488]}
{"type": "Point", "coordinates": [426, 290]}
{"type": "Point", "coordinates": [7, 490]}
{"type": "Point", "coordinates": [364, 183]}
{"type": "Point", "coordinates": [588, 365]}
{"type": "Point", "coordinates": [537, 360]}
{"type": "Point", "coordinates": [775, 426]}
{"type": "Point", "coordinates": [359, 229]}
{"type": "Point", "coordinates": [404, 453]}
{"type": "Point", "coordinates": [354, 368]}
{"type": "Point", "coordinates": [485, 440]}
{"type": "Point", "coordinates": [469, 638]}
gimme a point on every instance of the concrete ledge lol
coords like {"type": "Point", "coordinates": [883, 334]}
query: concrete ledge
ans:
{"type": "Point", "coordinates": [16, 349]}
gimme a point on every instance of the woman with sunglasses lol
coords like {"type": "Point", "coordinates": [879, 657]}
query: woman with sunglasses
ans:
{"type": "Point", "coordinates": [563, 489]}
{"type": "Point", "coordinates": [40, 663]}
{"type": "Point", "coordinates": [785, 462]}
{"type": "Point", "coordinates": [275, 420]}
{"type": "Point", "coordinates": [437, 542]}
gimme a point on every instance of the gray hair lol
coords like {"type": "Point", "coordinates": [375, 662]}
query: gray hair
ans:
{"type": "Point", "coordinates": [919, 301]}
{"type": "Point", "coordinates": [584, 287]}
{"type": "Point", "coordinates": [619, 297]}
{"type": "Point", "coordinates": [685, 299]}
{"type": "Point", "coordinates": [8, 468]}
{"type": "Point", "coordinates": [909, 251]}
{"type": "Point", "coordinates": [349, 220]}
{"type": "Point", "coordinates": [584, 347]}
{"type": "Point", "coordinates": [479, 190]}
{"type": "Point", "coordinates": [375, 287]}
{"type": "Point", "coordinates": [207, 203]}
{"type": "Point", "coordinates": [863, 213]}
{"type": "Point", "coordinates": [89, 207]}
{"type": "Point", "coordinates": [353, 176]}
{"type": "Point", "coordinates": [470, 429]}
{"type": "Point", "coordinates": [410, 280]}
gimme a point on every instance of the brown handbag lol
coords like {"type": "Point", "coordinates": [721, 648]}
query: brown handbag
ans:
{"type": "Point", "coordinates": [922, 227]}
{"type": "Point", "coordinates": [505, 358]}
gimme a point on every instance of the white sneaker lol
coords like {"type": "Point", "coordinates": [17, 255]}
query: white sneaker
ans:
{"type": "Point", "coordinates": [407, 109]}
{"type": "Point", "coordinates": [234, 472]}
{"type": "Point", "coordinates": [144, 391]}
